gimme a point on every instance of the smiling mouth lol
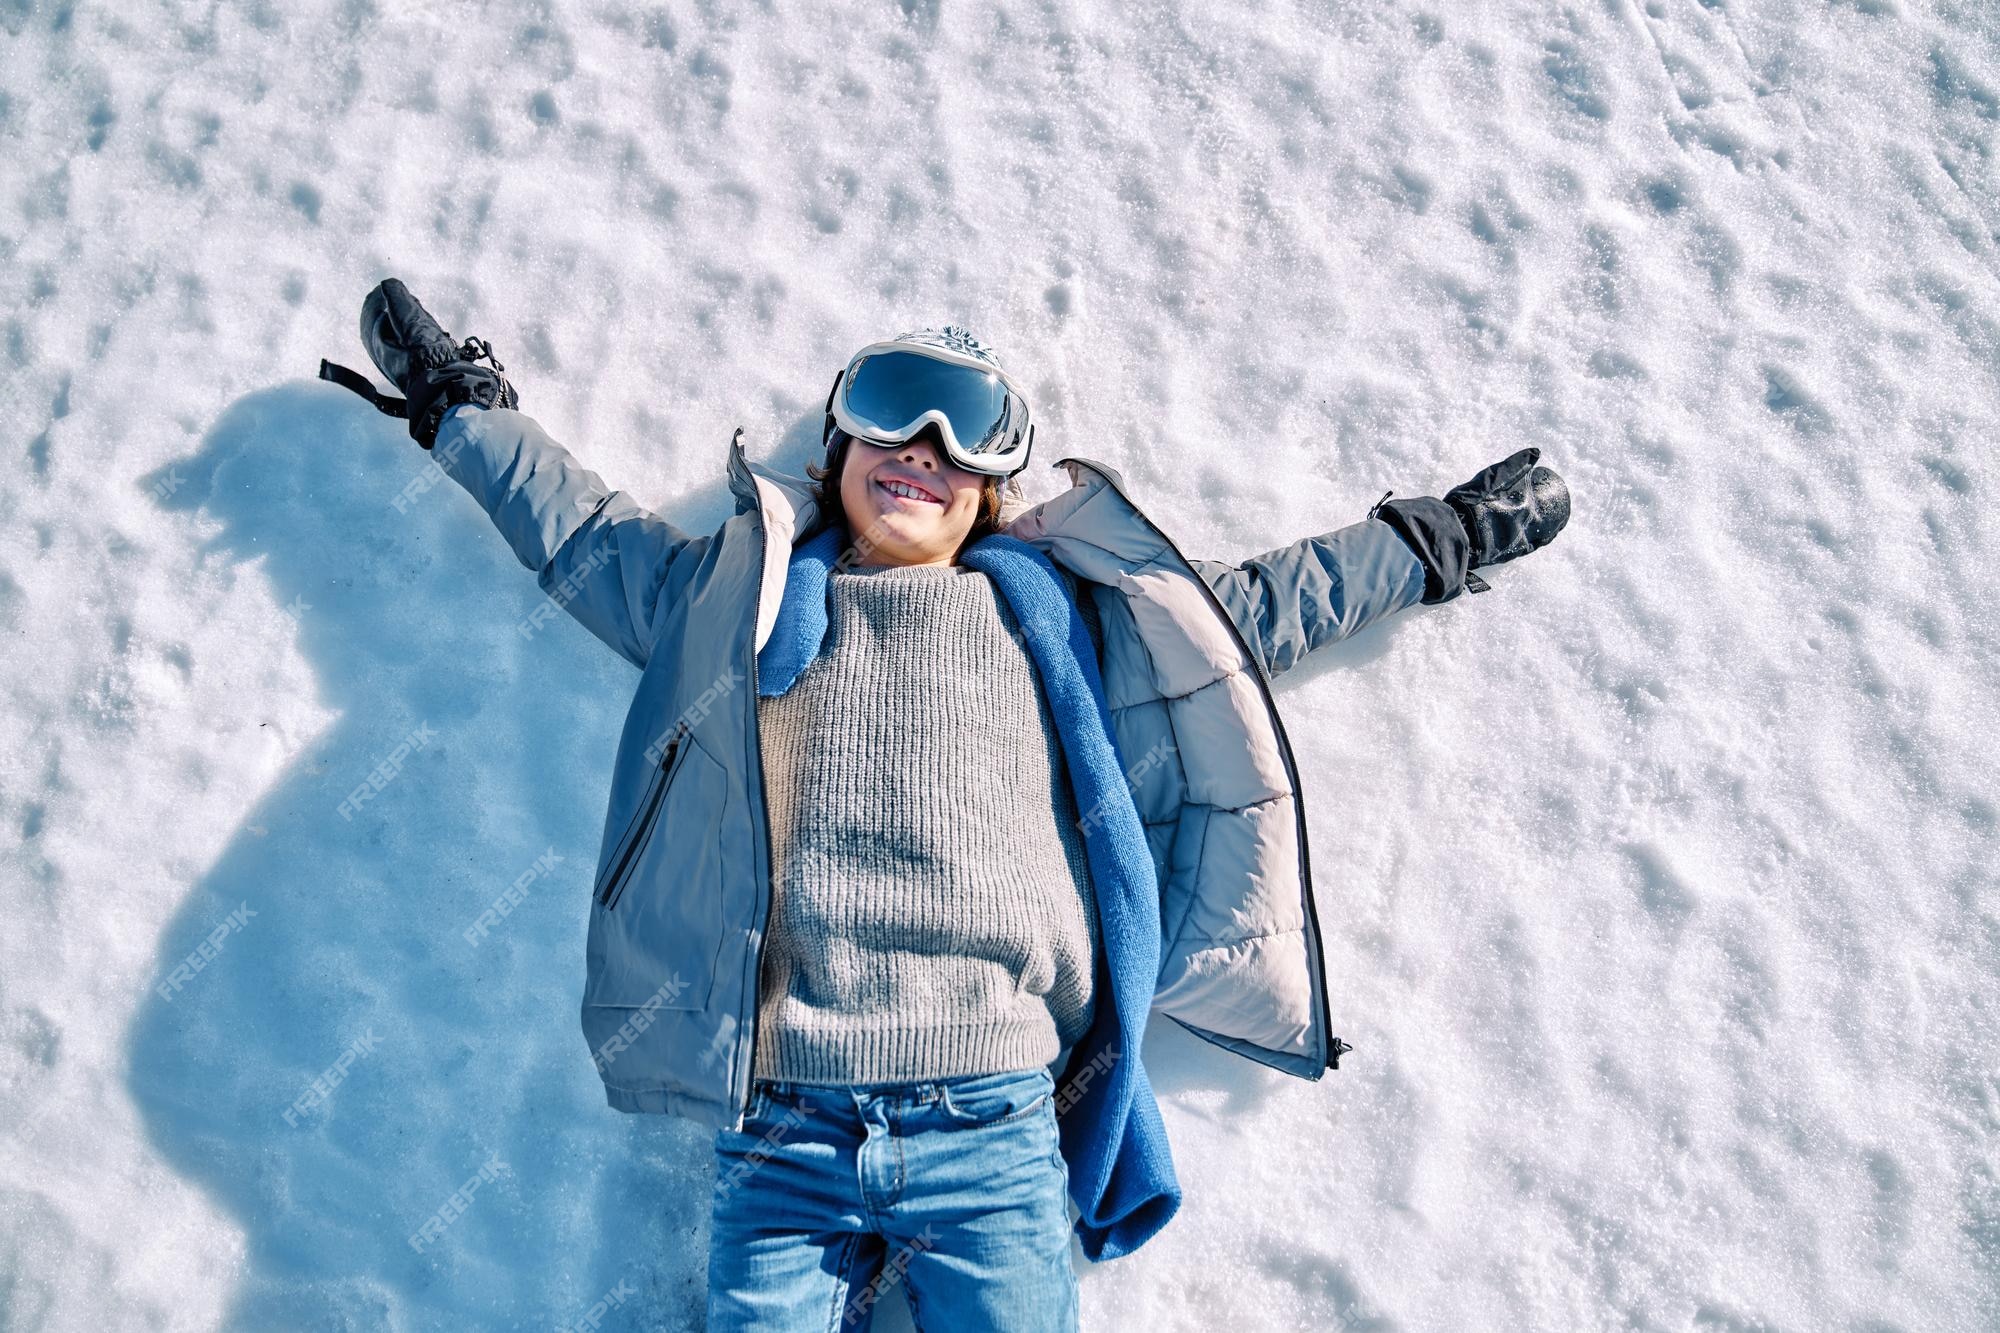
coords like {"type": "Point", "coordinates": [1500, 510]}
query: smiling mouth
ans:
{"type": "Point", "coordinates": [908, 494]}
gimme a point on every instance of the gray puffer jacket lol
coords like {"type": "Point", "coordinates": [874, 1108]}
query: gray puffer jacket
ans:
{"type": "Point", "coordinates": [1189, 649]}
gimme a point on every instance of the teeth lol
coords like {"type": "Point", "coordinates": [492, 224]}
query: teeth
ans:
{"type": "Point", "coordinates": [899, 488]}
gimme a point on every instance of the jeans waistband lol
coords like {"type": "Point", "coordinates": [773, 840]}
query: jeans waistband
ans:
{"type": "Point", "coordinates": [915, 1092]}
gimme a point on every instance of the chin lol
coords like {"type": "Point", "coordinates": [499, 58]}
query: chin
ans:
{"type": "Point", "coordinates": [887, 530]}
{"type": "Point", "coordinates": [901, 524]}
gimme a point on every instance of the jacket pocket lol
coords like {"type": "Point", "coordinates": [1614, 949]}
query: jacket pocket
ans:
{"type": "Point", "coordinates": [656, 925]}
{"type": "Point", "coordinates": [618, 870]}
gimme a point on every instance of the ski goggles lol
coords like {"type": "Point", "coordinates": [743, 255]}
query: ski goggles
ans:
{"type": "Point", "coordinates": [891, 391]}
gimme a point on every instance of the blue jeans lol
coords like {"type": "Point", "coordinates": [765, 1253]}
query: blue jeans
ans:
{"type": "Point", "coordinates": [954, 1189]}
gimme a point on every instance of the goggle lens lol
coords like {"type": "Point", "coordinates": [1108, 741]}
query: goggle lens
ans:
{"type": "Point", "coordinates": [889, 390]}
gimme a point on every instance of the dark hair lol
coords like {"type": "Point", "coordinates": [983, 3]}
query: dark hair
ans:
{"type": "Point", "coordinates": [826, 492]}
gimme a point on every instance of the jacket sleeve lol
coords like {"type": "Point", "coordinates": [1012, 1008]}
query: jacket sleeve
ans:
{"type": "Point", "coordinates": [598, 554]}
{"type": "Point", "coordinates": [1317, 590]}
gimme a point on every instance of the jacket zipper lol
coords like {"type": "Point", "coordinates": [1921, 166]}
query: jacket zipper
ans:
{"type": "Point", "coordinates": [611, 871]}
{"type": "Point", "coordinates": [614, 884]}
{"type": "Point", "coordinates": [764, 809]}
{"type": "Point", "coordinates": [1335, 1047]}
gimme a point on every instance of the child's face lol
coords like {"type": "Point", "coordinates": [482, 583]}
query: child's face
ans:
{"type": "Point", "coordinates": [898, 529]}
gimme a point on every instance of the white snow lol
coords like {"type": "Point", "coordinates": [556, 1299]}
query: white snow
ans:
{"type": "Point", "coordinates": [1658, 883]}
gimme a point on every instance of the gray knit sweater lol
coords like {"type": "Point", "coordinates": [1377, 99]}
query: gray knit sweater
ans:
{"type": "Point", "coordinates": [932, 912]}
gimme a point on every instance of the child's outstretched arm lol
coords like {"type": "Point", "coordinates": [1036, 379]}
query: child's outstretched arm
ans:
{"type": "Point", "coordinates": [596, 552]}
{"type": "Point", "coordinates": [602, 557]}
{"type": "Point", "coordinates": [1319, 590]}
{"type": "Point", "coordinates": [1316, 591]}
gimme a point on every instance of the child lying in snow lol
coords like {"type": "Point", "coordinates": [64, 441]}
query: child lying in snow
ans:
{"type": "Point", "coordinates": [1008, 778]}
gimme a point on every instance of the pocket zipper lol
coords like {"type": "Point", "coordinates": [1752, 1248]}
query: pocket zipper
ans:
{"type": "Point", "coordinates": [614, 883]}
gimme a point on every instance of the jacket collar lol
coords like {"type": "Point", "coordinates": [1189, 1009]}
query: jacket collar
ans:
{"type": "Point", "coordinates": [793, 495]}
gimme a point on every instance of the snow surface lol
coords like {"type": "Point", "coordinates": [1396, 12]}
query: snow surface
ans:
{"type": "Point", "coordinates": [1658, 883]}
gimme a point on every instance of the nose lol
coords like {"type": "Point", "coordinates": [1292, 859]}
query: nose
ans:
{"type": "Point", "coordinates": [919, 451]}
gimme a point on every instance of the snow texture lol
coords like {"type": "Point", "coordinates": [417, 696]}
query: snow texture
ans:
{"type": "Point", "coordinates": [1658, 883]}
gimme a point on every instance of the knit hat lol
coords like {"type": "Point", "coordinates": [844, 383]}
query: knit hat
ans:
{"type": "Point", "coordinates": [952, 338]}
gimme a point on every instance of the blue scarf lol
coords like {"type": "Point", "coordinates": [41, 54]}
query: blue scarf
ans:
{"type": "Point", "coordinates": [1121, 1174]}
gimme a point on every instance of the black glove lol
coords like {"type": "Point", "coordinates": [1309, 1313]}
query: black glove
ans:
{"type": "Point", "coordinates": [1506, 511]}
{"type": "Point", "coordinates": [1511, 508]}
{"type": "Point", "coordinates": [419, 357]}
